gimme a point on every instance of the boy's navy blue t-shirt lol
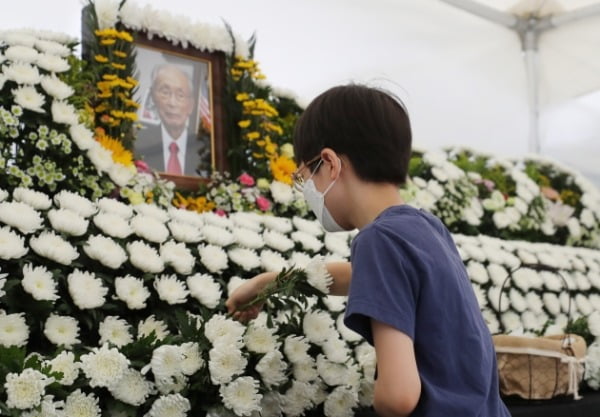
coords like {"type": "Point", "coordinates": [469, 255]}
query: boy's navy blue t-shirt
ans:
{"type": "Point", "coordinates": [407, 273]}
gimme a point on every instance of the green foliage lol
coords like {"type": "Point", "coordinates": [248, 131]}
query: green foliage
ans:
{"type": "Point", "coordinates": [580, 327]}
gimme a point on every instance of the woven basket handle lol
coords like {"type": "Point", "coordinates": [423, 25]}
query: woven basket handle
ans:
{"type": "Point", "coordinates": [538, 267]}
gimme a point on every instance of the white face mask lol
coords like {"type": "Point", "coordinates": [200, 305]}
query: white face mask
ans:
{"type": "Point", "coordinates": [316, 201]}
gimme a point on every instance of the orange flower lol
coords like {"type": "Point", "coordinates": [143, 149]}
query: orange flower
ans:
{"type": "Point", "coordinates": [282, 169]}
{"type": "Point", "coordinates": [119, 154]}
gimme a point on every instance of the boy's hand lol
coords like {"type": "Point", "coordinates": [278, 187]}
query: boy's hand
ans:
{"type": "Point", "coordinates": [246, 293]}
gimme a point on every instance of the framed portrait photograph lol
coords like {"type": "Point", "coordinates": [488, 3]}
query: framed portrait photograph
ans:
{"type": "Point", "coordinates": [181, 111]}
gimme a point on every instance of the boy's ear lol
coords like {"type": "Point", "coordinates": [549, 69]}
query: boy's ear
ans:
{"type": "Point", "coordinates": [332, 162]}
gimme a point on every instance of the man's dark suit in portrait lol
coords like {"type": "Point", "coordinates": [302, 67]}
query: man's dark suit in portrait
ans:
{"type": "Point", "coordinates": [173, 146]}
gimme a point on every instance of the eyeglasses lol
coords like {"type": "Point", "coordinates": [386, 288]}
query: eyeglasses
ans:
{"type": "Point", "coordinates": [297, 177]}
{"type": "Point", "coordinates": [165, 93]}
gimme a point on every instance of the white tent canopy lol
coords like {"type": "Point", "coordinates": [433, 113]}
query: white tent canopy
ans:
{"type": "Point", "coordinates": [464, 78]}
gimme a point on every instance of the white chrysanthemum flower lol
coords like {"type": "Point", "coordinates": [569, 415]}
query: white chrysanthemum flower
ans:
{"type": "Point", "coordinates": [113, 225]}
{"type": "Point", "coordinates": [2, 283]}
{"type": "Point", "coordinates": [25, 390]}
{"type": "Point", "coordinates": [204, 289]}
{"type": "Point", "coordinates": [336, 350]}
{"type": "Point", "coordinates": [3, 195]}
{"type": "Point", "coordinates": [272, 261]}
{"type": "Point", "coordinates": [517, 301]}
{"type": "Point", "coordinates": [22, 73]}
{"type": "Point", "coordinates": [52, 63]}
{"type": "Point", "coordinates": [477, 272]}
{"type": "Point", "coordinates": [13, 330]}
{"type": "Point", "coordinates": [63, 112]}
{"type": "Point", "coordinates": [145, 257]}
{"type": "Point", "coordinates": [491, 321]}
{"type": "Point", "coordinates": [104, 366]}
{"type": "Point", "coordinates": [113, 206]}
{"type": "Point", "coordinates": [278, 241]}
{"type": "Point", "coordinates": [300, 259]}
{"type": "Point", "coordinates": [534, 303]}
{"type": "Point", "coordinates": [188, 217]}
{"type": "Point", "coordinates": [107, 12]}
{"type": "Point", "coordinates": [12, 246]}
{"type": "Point", "coordinates": [149, 228]}
{"type": "Point", "coordinates": [38, 282]}
{"type": "Point", "coordinates": [172, 385]}
{"type": "Point", "coordinates": [246, 258]}
{"type": "Point", "coordinates": [348, 334]}
{"type": "Point", "coordinates": [62, 330]}
{"type": "Point", "coordinates": [65, 363]}
{"type": "Point", "coordinates": [306, 370]}
{"type": "Point", "coordinates": [296, 348]}
{"type": "Point", "coordinates": [551, 303]}
{"type": "Point", "coordinates": [72, 201]}
{"type": "Point", "coordinates": [152, 210]}
{"type": "Point", "coordinates": [594, 323]}
{"type": "Point", "coordinates": [216, 220]}
{"type": "Point", "coordinates": [132, 388]}
{"type": "Point", "coordinates": [217, 236]}
{"type": "Point", "coordinates": [332, 373]}
{"type": "Point", "coordinates": [317, 326]}
{"type": "Point", "coordinates": [278, 224]}
{"type": "Point", "coordinates": [497, 273]}
{"type": "Point", "coordinates": [311, 227]}
{"type": "Point", "coordinates": [247, 220]}
{"type": "Point", "coordinates": [166, 362]}
{"type": "Point", "coordinates": [151, 324]}
{"type": "Point", "coordinates": [223, 331]}
{"type": "Point", "coordinates": [213, 258]}
{"type": "Point", "coordinates": [318, 276]}
{"type": "Point", "coordinates": [105, 250]}
{"type": "Point", "coordinates": [270, 405]}
{"type": "Point", "coordinates": [178, 256]}
{"type": "Point", "coordinates": [82, 136]}
{"type": "Point", "coordinates": [335, 303]}
{"type": "Point", "coordinates": [511, 321]}
{"type": "Point", "coordinates": [81, 405]}
{"type": "Point", "coordinates": [115, 331]}
{"type": "Point", "coordinates": [241, 396]}
{"type": "Point", "coordinates": [172, 405]}
{"type": "Point", "coordinates": [583, 305]}
{"type": "Point", "coordinates": [68, 221]}
{"type": "Point", "coordinates": [35, 199]}
{"type": "Point", "coordinates": [121, 174]}
{"type": "Point", "coordinates": [299, 397]}
{"type": "Point", "coordinates": [341, 402]}
{"type": "Point", "coordinates": [184, 232]}
{"type": "Point", "coordinates": [21, 54]}
{"type": "Point", "coordinates": [20, 216]}
{"type": "Point", "coordinates": [100, 157]}
{"type": "Point", "coordinates": [86, 290]}
{"type": "Point", "coordinates": [54, 247]}
{"type": "Point", "coordinates": [170, 289]}
{"type": "Point", "coordinates": [226, 361]}
{"type": "Point", "coordinates": [338, 243]}
{"type": "Point", "coordinates": [132, 292]}
{"type": "Point", "coordinates": [282, 193]}
{"type": "Point", "coordinates": [192, 360]}
{"type": "Point", "coordinates": [248, 238]}
{"type": "Point", "coordinates": [260, 339]}
{"type": "Point", "coordinates": [56, 88]}
{"type": "Point", "coordinates": [309, 242]}
{"type": "Point", "coordinates": [272, 368]}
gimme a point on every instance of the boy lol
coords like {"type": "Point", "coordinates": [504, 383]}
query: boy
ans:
{"type": "Point", "coordinates": [408, 292]}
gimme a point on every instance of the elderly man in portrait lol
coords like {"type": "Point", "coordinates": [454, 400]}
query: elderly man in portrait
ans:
{"type": "Point", "coordinates": [172, 146]}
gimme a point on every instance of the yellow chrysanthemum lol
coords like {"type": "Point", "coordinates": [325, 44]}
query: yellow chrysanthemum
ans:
{"type": "Point", "coordinates": [126, 36]}
{"type": "Point", "coordinates": [118, 66]}
{"type": "Point", "coordinates": [252, 135]}
{"type": "Point", "coordinates": [119, 154]}
{"type": "Point", "coordinates": [282, 169]}
{"type": "Point", "coordinates": [199, 204]}
{"type": "Point", "coordinates": [242, 96]}
{"type": "Point", "coordinates": [120, 54]}
{"type": "Point", "coordinates": [244, 123]}
{"type": "Point", "coordinates": [101, 58]}
{"type": "Point", "coordinates": [108, 41]}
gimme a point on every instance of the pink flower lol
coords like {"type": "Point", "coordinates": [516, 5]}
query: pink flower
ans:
{"type": "Point", "coordinates": [263, 203]}
{"type": "Point", "coordinates": [220, 212]}
{"type": "Point", "coordinates": [246, 179]}
{"type": "Point", "coordinates": [143, 167]}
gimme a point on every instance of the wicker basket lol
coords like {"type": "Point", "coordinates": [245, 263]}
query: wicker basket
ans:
{"type": "Point", "coordinates": [540, 368]}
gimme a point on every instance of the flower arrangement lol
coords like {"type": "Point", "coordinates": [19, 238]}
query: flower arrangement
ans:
{"type": "Point", "coordinates": [108, 306]}
{"type": "Point", "coordinates": [44, 144]}
{"type": "Point", "coordinates": [477, 194]}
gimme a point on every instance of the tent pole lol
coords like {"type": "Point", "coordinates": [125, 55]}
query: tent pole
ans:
{"type": "Point", "coordinates": [529, 41]}
{"type": "Point", "coordinates": [486, 12]}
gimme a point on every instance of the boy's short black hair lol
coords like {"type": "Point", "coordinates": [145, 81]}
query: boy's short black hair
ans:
{"type": "Point", "coordinates": [368, 125]}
